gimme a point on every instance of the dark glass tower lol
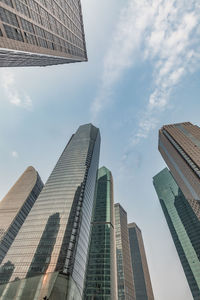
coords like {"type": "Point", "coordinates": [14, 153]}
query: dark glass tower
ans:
{"type": "Point", "coordinates": [50, 252]}
{"type": "Point", "coordinates": [184, 227]}
{"type": "Point", "coordinates": [142, 281]}
{"type": "Point", "coordinates": [101, 275]}
{"type": "Point", "coordinates": [16, 205]}
{"type": "Point", "coordinates": [125, 280]}
{"type": "Point", "coordinates": [41, 32]}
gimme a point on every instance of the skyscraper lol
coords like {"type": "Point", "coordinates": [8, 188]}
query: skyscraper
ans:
{"type": "Point", "coordinates": [124, 268]}
{"type": "Point", "coordinates": [50, 252]}
{"type": "Point", "coordinates": [41, 32]}
{"type": "Point", "coordinates": [101, 278]}
{"type": "Point", "coordinates": [142, 281]}
{"type": "Point", "coordinates": [184, 227]}
{"type": "Point", "coordinates": [179, 145]}
{"type": "Point", "coordinates": [16, 205]}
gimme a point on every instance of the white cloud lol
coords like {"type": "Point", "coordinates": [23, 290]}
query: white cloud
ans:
{"type": "Point", "coordinates": [15, 97]}
{"type": "Point", "coordinates": [14, 154]}
{"type": "Point", "coordinates": [126, 40]}
{"type": "Point", "coordinates": [164, 33]}
{"type": "Point", "coordinates": [144, 127]}
{"type": "Point", "coordinates": [170, 45]}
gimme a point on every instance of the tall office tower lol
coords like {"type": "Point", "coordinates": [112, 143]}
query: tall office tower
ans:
{"type": "Point", "coordinates": [126, 290]}
{"type": "Point", "coordinates": [101, 278]}
{"type": "Point", "coordinates": [41, 32]}
{"type": "Point", "coordinates": [184, 227]}
{"type": "Point", "coordinates": [48, 257]}
{"type": "Point", "coordinates": [179, 144]}
{"type": "Point", "coordinates": [142, 281]}
{"type": "Point", "coordinates": [16, 205]}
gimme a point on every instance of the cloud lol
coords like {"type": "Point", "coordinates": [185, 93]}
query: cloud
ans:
{"type": "Point", "coordinates": [145, 126]}
{"type": "Point", "coordinates": [20, 99]}
{"type": "Point", "coordinates": [171, 46]}
{"type": "Point", "coordinates": [14, 154]}
{"type": "Point", "coordinates": [126, 40]}
{"type": "Point", "coordinates": [163, 33]}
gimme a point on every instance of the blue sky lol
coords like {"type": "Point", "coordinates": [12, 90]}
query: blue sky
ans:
{"type": "Point", "coordinates": [143, 72]}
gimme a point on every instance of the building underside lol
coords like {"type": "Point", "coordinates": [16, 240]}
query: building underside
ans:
{"type": "Point", "coordinates": [14, 58]}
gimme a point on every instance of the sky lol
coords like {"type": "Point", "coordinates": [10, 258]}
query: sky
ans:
{"type": "Point", "coordinates": [142, 72]}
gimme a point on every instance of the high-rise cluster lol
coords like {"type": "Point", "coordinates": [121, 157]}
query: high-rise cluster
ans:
{"type": "Point", "coordinates": [67, 240]}
{"type": "Point", "coordinates": [178, 190]}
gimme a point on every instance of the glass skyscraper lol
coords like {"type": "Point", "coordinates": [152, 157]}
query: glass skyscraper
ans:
{"type": "Point", "coordinates": [41, 32]}
{"type": "Point", "coordinates": [124, 267]}
{"type": "Point", "coordinates": [179, 145]}
{"type": "Point", "coordinates": [101, 280]}
{"type": "Point", "coordinates": [48, 257]}
{"type": "Point", "coordinates": [15, 207]}
{"type": "Point", "coordinates": [142, 281]}
{"type": "Point", "coordinates": [184, 227]}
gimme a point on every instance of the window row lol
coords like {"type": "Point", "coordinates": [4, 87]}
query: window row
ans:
{"type": "Point", "coordinates": [16, 34]}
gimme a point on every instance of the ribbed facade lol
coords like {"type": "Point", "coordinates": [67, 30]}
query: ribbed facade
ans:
{"type": "Point", "coordinates": [179, 145]}
{"type": "Point", "coordinates": [15, 207]}
{"type": "Point", "coordinates": [101, 278]}
{"type": "Point", "coordinates": [125, 280]}
{"type": "Point", "coordinates": [55, 236]}
{"type": "Point", "coordinates": [41, 32]}
{"type": "Point", "coordinates": [142, 281]}
{"type": "Point", "coordinates": [184, 227]}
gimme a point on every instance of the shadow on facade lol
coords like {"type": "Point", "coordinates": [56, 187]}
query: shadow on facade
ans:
{"type": "Point", "coordinates": [71, 224]}
{"type": "Point", "coordinates": [39, 264]}
{"type": "Point", "coordinates": [42, 257]}
{"type": "Point", "coordinates": [6, 271]}
{"type": "Point", "coordinates": [45, 247]}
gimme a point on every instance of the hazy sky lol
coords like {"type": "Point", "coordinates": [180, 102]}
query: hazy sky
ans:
{"type": "Point", "coordinates": [143, 72]}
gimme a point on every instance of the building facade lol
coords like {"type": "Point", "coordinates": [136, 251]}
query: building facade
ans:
{"type": "Point", "coordinates": [126, 290]}
{"type": "Point", "coordinates": [41, 32]}
{"type": "Point", "coordinates": [179, 145]}
{"type": "Point", "coordinates": [184, 227]}
{"type": "Point", "coordinates": [101, 278]}
{"type": "Point", "coordinates": [15, 207]}
{"type": "Point", "coordinates": [141, 276]}
{"type": "Point", "coordinates": [49, 255]}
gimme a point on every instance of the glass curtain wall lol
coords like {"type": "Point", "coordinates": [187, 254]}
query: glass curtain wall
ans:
{"type": "Point", "coordinates": [101, 269]}
{"type": "Point", "coordinates": [55, 235]}
{"type": "Point", "coordinates": [125, 280]}
{"type": "Point", "coordinates": [183, 225]}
